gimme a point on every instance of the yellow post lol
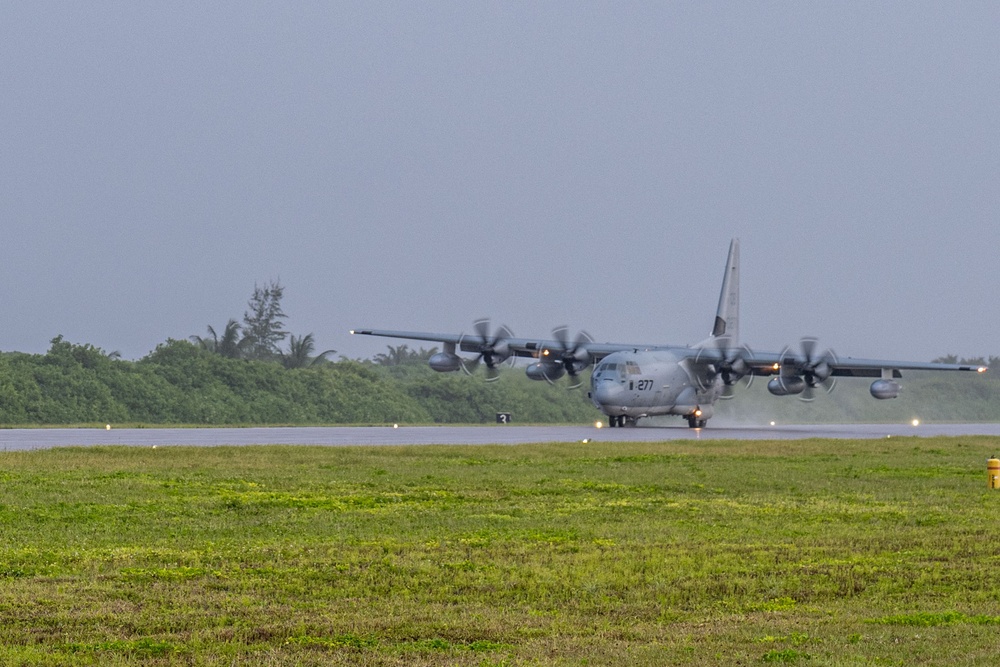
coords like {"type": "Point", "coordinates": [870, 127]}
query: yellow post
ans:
{"type": "Point", "coordinates": [993, 471]}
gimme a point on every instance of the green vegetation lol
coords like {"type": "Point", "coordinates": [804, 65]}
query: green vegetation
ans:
{"type": "Point", "coordinates": [704, 553]}
{"type": "Point", "coordinates": [180, 383]}
{"type": "Point", "coordinates": [184, 383]}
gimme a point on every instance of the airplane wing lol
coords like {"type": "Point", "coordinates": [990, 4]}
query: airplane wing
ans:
{"type": "Point", "coordinates": [760, 363]}
{"type": "Point", "coordinates": [795, 372]}
{"type": "Point", "coordinates": [799, 372]}
{"type": "Point", "coordinates": [771, 364]}
{"type": "Point", "coordinates": [519, 347]}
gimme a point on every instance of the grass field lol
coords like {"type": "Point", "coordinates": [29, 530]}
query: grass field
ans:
{"type": "Point", "coordinates": [705, 553]}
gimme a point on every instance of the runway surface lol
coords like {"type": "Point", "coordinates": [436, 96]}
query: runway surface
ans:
{"type": "Point", "coordinates": [27, 439]}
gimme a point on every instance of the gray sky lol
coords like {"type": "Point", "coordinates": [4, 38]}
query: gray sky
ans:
{"type": "Point", "coordinates": [419, 165]}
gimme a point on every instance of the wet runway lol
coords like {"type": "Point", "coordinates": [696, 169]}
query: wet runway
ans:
{"type": "Point", "coordinates": [27, 439]}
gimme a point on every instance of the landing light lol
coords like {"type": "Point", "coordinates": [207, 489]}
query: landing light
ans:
{"type": "Point", "coordinates": [697, 413]}
{"type": "Point", "coordinates": [352, 332]}
{"type": "Point", "coordinates": [982, 369]}
{"type": "Point", "coordinates": [776, 367]}
{"type": "Point", "coordinates": [915, 422]}
{"type": "Point", "coordinates": [598, 424]}
{"type": "Point", "coordinates": [772, 423]}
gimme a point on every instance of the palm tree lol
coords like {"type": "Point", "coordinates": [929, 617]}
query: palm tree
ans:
{"type": "Point", "coordinates": [402, 354]}
{"type": "Point", "coordinates": [300, 351]}
{"type": "Point", "coordinates": [397, 355]}
{"type": "Point", "coordinates": [229, 345]}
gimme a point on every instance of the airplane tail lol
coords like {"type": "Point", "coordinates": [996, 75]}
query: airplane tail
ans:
{"type": "Point", "coordinates": [727, 316]}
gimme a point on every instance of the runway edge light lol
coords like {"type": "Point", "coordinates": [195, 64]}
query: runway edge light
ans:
{"type": "Point", "coordinates": [993, 472]}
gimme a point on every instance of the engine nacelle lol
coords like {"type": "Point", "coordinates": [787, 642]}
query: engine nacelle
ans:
{"type": "Point", "coordinates": [443, 362]}
{"type": "Point", "coordinates": [786, 386]}
{"type": "Point", "coordinates": [884, 389]}
{"type": "Point", "coordinates": [544, 370]}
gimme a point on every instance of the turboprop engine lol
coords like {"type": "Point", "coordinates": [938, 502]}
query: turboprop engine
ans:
{"type": "Point", "coordinates": [564, 358]}
{"type": "Point", "coordinates": [803, 373]}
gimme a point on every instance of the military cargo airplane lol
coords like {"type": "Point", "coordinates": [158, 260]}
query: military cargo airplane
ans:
{"type": "Point", "coordinates": [630, 382]}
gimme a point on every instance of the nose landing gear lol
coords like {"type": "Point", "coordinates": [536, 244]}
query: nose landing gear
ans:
{"type": "Point", "coordinates": [697, 419]}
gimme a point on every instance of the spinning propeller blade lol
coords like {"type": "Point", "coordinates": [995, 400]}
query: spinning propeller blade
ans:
{"type": "Point", "coordinates": [492, 350]}
{"type": "Point", "coordinates": [574, 357]}
{"type": "Point", "coordinates": [732, 366]}
{"type": "Point", "coordinates": [816, 369]}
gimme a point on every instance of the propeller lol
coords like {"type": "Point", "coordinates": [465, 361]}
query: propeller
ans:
{"type": "Point", "coordinates": [815, 369]}
{"type": "Point", "coordinates": [492, 349]}
{"type": "Point", "coordinates": [573, 357]}
{"type": "Point", "coordinates": [731, 367]}
{"type": "Point", "coordinates": [735, 368]}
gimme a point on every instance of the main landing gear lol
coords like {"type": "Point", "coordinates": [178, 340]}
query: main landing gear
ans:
{"type": "Point", "coordinates": [620, 421]}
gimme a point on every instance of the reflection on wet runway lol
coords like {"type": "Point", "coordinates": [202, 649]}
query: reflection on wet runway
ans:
{"type": "Point", "coordinates": [22, 439]}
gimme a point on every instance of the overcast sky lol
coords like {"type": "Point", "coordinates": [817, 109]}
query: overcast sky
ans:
{"type": "Point", "coordinates": [418, 165]}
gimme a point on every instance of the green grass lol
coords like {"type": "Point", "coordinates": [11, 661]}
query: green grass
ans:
{"type": "Point", "coordinates": [879, 552]}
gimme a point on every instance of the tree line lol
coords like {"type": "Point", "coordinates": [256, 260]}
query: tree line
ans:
{"type": "Point", "coordinates": [181, 382]}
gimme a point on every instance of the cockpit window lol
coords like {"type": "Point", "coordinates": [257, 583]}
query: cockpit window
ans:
{"type": "Point", "coordinates": [608, 370]}
{"type": "Point", "coordinates": [632, 368]}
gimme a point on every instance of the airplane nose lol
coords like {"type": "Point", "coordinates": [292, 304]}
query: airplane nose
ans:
{"type": "Point", "coordinates": [609, 393]}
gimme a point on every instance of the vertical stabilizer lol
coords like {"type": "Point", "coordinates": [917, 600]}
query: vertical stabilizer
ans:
{"type": "Point", "coordinates": [727, 316]}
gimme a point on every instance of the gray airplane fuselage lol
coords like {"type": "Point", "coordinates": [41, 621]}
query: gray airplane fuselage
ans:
{"type": "Point", "coordinates": [649, 383]}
